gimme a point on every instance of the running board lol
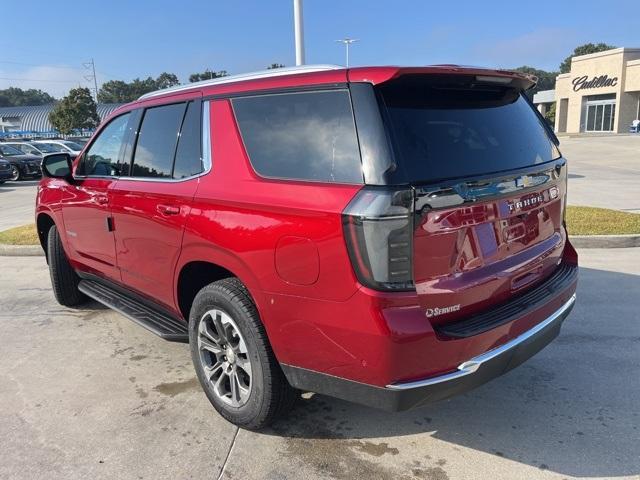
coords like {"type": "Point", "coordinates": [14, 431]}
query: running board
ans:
{"type": "Point", "coordinates": [163, 325]}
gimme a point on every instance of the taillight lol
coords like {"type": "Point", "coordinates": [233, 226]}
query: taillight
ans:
{"type": "Point", "coordinates": [378, 228]}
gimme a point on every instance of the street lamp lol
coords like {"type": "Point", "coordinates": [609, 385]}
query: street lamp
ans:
{"type": "Point", "coordinates": [347, 41]}
{"type": "Point", "coordinates": [298, 31]}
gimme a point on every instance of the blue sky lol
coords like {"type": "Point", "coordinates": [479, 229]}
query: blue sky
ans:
{"type": "Point", "coordinates": [138, 38]}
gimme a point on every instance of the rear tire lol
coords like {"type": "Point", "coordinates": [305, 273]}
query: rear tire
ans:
{"type": "Point", "coordinates": [64, 279]}
{"type": "Point", "coordinates": [233, 358]}
{"type": "Point", "coordinates": [16, 175]}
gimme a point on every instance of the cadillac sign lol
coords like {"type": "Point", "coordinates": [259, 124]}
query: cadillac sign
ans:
{"type": "Point", "coordinates": [585, 82]}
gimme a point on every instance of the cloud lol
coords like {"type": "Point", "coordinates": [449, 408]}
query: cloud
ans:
{"type": "Point", "coordinates": [55, 80]}
{"type": "Point", "coordinates": [543, 48]}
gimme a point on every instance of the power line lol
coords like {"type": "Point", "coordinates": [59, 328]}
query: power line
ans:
{"type": "Point", "coordinates": [38, 80]}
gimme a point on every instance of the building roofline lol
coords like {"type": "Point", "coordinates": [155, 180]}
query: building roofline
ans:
{"type": "Point", "coordinates": [604, 53]}
{"type": "Point", "coordinates": [275, 72]}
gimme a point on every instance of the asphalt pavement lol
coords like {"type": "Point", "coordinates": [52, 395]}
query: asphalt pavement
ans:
{"type": "Point", "coordinates": [88, 394]}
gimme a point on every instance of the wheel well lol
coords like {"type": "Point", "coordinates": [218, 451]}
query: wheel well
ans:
{"type": "Point", "coordinates": [43, 225]}
{"type": "Point", "coordinates": [193, 277]}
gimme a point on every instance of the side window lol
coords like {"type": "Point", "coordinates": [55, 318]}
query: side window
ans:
{"type": "Point", "coordinates": [189, 155]}
{"type": "Point", "coordinates": [304, 136]}
{"type": "Point", "coordinates": [157, 140]}
{"type": "Point", "coordinates": [102, 157]}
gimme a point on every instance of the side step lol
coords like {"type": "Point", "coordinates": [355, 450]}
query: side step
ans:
{"type": "Point", "coordinates": [163, 325]}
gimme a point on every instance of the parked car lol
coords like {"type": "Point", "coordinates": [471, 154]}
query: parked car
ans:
{"type": "Point", "coordinates": [31, 148]}
{"type": "Point", "coordinates": [82, 141]}
{"type": "Point", "coordinates": [65, 146]}
{"type": "Point", "coordinates": [389, 236]}
{"type": "Point", "coordinates": [5, 171]}
{"type": "Point", "coordinates": [22, 166]}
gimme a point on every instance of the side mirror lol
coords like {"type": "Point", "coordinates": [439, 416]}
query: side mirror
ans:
{"type": "Point", "coordinates": [57, 165]}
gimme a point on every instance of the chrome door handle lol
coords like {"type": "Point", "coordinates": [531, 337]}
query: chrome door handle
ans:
{"type": "Point", "coordinates": [168, 210]}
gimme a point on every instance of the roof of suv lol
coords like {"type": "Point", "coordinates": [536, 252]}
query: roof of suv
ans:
{"type": "Point", "coordinates": [329, 74]}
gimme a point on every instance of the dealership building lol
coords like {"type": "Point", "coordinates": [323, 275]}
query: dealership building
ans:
{"type": "Point", "coordinates": [601, 93]}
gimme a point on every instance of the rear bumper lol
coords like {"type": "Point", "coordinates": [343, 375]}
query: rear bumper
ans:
{"type": "Point", "coordinates": [469, 374]}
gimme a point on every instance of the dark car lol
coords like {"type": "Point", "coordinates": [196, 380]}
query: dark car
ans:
{"type": "Point", "coordinates": [390, 236]}
{"type": "Point", "coordinates": [22, 166]}
{"type": "Point", "coordinates": [5, 171]}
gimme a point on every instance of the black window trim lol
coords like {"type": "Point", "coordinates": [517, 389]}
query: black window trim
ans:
{"type": "Point", "coordinates": [205, 141]}
{"type": "Point", "coordinates": [287, 91]}
{"type": "Point", "coordinates": [95, 138]}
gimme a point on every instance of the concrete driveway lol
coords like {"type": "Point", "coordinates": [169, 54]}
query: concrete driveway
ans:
{"type": "Point", "coordinates": [88, 394]}
{"type": "Point", "coordinates": [17, 203]}
{"type": "Point", "coordinates": [604, 171]}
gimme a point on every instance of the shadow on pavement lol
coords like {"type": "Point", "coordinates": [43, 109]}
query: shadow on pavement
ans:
{"type": "Point", "coordinates": [573, 409]}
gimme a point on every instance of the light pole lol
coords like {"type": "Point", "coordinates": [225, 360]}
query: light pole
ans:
{"type": "Point", "coordinates": [347, 41]}
{"type": "Point", "coordinates": [298, 31]}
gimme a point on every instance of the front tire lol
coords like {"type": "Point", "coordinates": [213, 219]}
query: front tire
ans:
{"type": "Point", "coordinates": [233, 358]}
{"type": "Point", "coordinates": [64, 279]}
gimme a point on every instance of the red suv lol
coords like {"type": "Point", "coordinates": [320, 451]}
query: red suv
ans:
{"type": "Point", "coordinates": [390, 236]}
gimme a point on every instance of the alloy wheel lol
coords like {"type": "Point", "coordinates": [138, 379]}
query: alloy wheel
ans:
{"type": "Point", "coordinates": [15, 173]}
{"type": "Point", "coordinates": [224, 358]}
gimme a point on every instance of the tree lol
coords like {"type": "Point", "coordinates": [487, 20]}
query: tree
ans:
{"type": "Point", "coordinates": [207, 75]}
{"type": "Point", "coordinates": [550, 115]}
{"type": "Point", "coordinates": [546, 80]}
{"type": "Point", "coordinates": [166, 80]}
{"type": "Point", "coordinates": [117, 91]}
{"type": "Point", "coordinates": [76, 110]}
{"type": "Point", "coordinates": [587, 48]}
{"type": "Point", "coordinates": [16, 97]}
{"type": "Point", "coordinates": [275, 65]}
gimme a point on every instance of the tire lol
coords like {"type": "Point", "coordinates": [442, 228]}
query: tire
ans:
{"type": "Point", "coordinates": [64, 279]}
{"type": "Point", "coordinates": [225, 306]}
{"type": "Point", "coordinates": [16, 174]}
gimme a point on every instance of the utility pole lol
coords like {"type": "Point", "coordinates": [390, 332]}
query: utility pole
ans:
{"type": "Point", "coordinates": [91, 66]}
{"type": "Point", "coordinates": [347, 41]}
{"type": "Point", "coordinates": [298, 31]}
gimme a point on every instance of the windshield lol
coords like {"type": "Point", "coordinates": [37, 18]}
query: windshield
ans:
{"type": "Point", "coordinates": [72, 145]}
{"type": "Point", "coordinates": [49, 147]}
{"type": "Point", "coordinates": [447, 127]}
{"type": "Point", "coordinates": [8, 150]}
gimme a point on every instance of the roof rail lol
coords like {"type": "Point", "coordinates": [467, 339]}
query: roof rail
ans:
{"type": "Point", "coordinates": [275, 72]}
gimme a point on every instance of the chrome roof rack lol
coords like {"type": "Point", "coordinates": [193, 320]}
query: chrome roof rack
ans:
{"type": "Point", "coordinates": [275, 72]}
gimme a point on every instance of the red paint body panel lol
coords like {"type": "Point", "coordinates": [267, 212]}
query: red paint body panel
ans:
{"type": "Point", "coordinates": [315, 312]}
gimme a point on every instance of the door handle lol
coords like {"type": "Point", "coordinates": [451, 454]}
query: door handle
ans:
{"type": "Point", "coordinates": [102, 200]}
{"type": "Point", "coordinates": [168, 210]}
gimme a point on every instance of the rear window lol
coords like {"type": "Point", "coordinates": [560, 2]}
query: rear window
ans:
{"type": "Point", "coordinates": [448, 127]}
{"type": "Point", "coordinates": [301, 136]}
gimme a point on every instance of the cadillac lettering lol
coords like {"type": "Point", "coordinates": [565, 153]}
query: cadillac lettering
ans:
{"type": "Point", "coordinates": [601, 81]}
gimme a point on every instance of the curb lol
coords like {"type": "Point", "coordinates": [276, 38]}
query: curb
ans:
{"type": "Point", "coordinates": [21, 251]}
{"type": "Point", "coordinates": [605, 241]}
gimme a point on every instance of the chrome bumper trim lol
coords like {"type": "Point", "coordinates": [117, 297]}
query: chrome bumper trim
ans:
{"type": "Point", "coordinates": [471, 366]}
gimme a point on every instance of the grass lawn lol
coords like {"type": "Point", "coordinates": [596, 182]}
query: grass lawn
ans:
{"type": "Point", "coordinates": [601, 221]}
{"type": "Point", "coordinates": [25, 235]}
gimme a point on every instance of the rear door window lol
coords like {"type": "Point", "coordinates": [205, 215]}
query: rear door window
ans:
{"type": "Point", "coordinates": [189, 159]}
{"type": "Point", "coordinates": [157, 140]}
{"type": "Point", "coordinates": [301, 136]}
{"type": "Point", "coordinates": [448, 127]}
